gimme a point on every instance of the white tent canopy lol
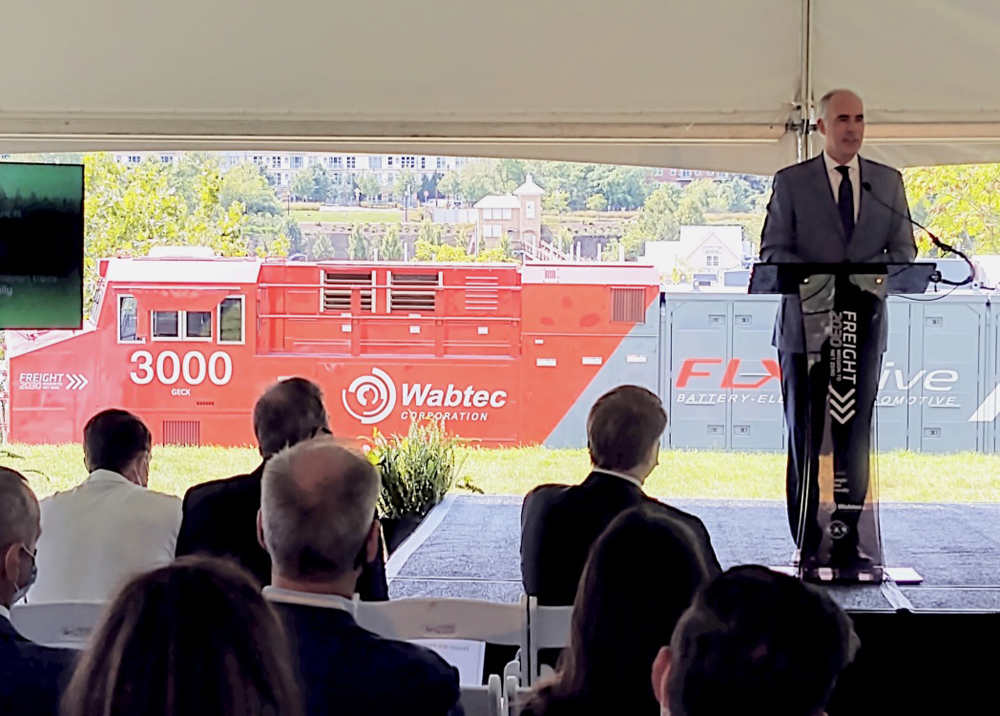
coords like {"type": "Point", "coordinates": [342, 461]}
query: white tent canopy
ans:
{"type": "Point", "coordinates": [713, 84]}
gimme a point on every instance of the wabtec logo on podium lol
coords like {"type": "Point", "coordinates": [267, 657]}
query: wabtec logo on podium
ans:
{"type": "Point", "coordinates": [370, 399]}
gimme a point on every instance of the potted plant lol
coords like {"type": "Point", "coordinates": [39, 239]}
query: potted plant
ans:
{"type": "Point", "coordinates": [417, 470]}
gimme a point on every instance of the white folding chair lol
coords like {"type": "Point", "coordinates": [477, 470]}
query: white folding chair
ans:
{"type": "Point", "coordinates": [513, 696]}
{"type": "Point", "coordinates": [410, 619]}
{"type": "Point", "coordinates": [60, 624]}
{"type": "Point", "coordinates": [483, 700]}
{"type": "Point", "coordinates": [548, 628]}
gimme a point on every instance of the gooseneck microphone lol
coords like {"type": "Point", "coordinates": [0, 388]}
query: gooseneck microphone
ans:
{"type": "Point", "coordinates": [945, 248]}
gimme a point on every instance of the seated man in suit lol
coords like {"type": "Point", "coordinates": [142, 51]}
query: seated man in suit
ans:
{"type": "Point", "coordinates": [756, 642]}
{"type": "Point", "coordinates": [559, 523]}
{"type": "Point", "coordinates": [316, 522]}
{"type": "Point", "coordinates": [31, 676]}
{"type": "Point", "coordinates": [220, 517]}
{"type": "Point", "coordinates": [110, 528]}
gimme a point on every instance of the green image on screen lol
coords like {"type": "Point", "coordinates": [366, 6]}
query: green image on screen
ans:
{"type": "Point", "coordinates": [41, 246]}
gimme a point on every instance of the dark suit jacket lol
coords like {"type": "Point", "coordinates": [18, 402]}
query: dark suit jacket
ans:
{"type": "Point", "coordinates": [31, 676]}
{"type": "Point", "coordinates": [559, 523]}
{"type": "Point", "coordinates": [803, 225]}
{"type": "Point", "coordinates": [348, 671]}
{"type": "Point", "coordinates": [220, 518]}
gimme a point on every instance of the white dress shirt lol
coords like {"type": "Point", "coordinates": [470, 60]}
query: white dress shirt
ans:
{"type": "Point", "coordinates": [4, 612]}
{"type": "Point", "coordinates": [853, 171]}
{"type": "Point", "coordinates": [308, 599]}
{"type": "Point", "coordinates": [100, 534]}
{"type": "Point", "coordinates": [623, 475]}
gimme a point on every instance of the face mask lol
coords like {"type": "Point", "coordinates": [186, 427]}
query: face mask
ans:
{"type": "Point", "coordinates": [22, 591]}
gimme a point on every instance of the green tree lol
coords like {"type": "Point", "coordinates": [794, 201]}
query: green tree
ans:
{"type": "Point", "coordinates": [556, 202]}
{"type": "Point", "coordinates": [563, 240]}
{"type": "Point", "coordinates": [959, 203]}
{"type": "Point", "coordinates": [405, 185]}
{"type": "Point", "coordinates": [370, 186]}
{"type": "Point", "coordinates": [392, 246]}
{"type": "Point", "coordinates": [321, 249]}
{"type": "Point", "coordinates": [451, 185]}
{"type": "Point", "coordinates": [313, 184]}
{"type": "Point", "coordinates": [689, 212]}
{"type": "Point", "coordinates": [738, 195]}
{"type": "Point", "coordinates": [597, 203]}
{"type": "Point", "coordinates": [247, 184]}
{"type": "Point", "coordinates": [656, 221]}
{"type": "Point", "coordinates": [429, 232]}
{"type": "Point", "coordinates": [357, 244]}
{"type": "Point", "coordinates": [478, 180]}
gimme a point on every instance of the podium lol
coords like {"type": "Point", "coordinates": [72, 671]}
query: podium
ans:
{"type": "Point", "coordinates": [842, 310]}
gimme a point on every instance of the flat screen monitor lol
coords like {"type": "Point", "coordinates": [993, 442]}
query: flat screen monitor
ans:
{"type": "Point", "coordinates": [41, 246]}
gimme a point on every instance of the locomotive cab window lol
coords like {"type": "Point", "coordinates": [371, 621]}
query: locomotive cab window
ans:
{"type": "Point", "coordinates": [128, 318]}
{"type": "Point", "coordinates": [231, 320]}
{"type": "Point", "coordinates": [198, 325]}
{"type": "Point", "coordinates": [166, 324]}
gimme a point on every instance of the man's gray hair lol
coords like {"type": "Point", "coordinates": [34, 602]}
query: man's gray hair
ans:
{"type": "Point", "coordinates": [16, 512]}
{"type": "Point", "coordinates": [824, 101]}
{"type": "Point", "coordinates": [317, 505]}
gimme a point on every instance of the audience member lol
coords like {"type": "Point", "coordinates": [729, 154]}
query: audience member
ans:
{"type": "Point", "coordinates": [110, 528]}
{"type": "Point", "coordinates": [316, 522]}
{"type": "Point", "coordinates": [642, 573]}
{"type": "Point", "coordinates": [757, 642]}
{"type": "Point", "coordinates": [30, 675]}
{"type": "Point", "coordinates": [192, 638]}
{"type": "Point", "coordinates": [220, 517]}
{"type": "Point", "coordinates": [559, 523]}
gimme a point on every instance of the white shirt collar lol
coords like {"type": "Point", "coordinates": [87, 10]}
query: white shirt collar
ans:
{"type": "Point", "coordinates": [4, 612]}
{"type": "Point", "coordinates": [628, 478]}
{"type": "Point", "coordinates": [831, 164]}
{"type": "Point", "coordinates": [309, 599]}
{"type": "Point", "coordinates": [103, 475]}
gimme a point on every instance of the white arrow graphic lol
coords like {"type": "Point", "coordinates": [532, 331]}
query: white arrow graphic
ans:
{"type": "Point", "coordinates": [842, 398]}
{"type": "Point", "coordinates": [76, 381]}
{"type": "Point", "coordinates": [842, 420]}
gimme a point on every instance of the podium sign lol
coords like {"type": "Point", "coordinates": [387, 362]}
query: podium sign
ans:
{"type": "Point", "coordinates": [843, 321]}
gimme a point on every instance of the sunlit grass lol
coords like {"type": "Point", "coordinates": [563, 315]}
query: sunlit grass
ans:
{"type": "Point", "coordinates": [372, 216]}
{"type": "Point", "coordinates": [904, 477]}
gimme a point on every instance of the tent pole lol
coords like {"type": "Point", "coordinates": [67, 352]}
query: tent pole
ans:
{"type": "Point", "coordinates": [805, 103]}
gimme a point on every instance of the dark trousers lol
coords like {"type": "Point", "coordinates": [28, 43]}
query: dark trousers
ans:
{"type": "Point", "coordinates": [851, 445]}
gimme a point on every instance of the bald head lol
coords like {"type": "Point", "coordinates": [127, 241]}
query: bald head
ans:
{"type": "Point", "coordinates": [317, 505]}
{"type": "Point", "coordinates": [18, 510]}
{"type": "Point", "coordinates": [841, 121]}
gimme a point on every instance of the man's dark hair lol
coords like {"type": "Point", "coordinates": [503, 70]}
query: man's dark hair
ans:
{"type": "Point", "coordinates": [623, 426]}
{"type": "Point", "coordinates": [287, 413]}
{"type": "Point", "coordinates": [113, 439]}
{"type": "Point", "coordinates": [16, 514]}
{"type": "Point", "coordinates": [756, 641]}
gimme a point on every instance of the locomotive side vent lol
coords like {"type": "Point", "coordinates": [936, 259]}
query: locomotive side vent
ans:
{"type": "Point", "coordinates": [181, 432]}
{"type": "Point", "coordinates": [482, 293]}
{"type": "Point", "coordinates": [337, 291]}
{"type": "Point", "coordinates": [413, 291]}
{"type": "Point", "coordinates": [628, 305]}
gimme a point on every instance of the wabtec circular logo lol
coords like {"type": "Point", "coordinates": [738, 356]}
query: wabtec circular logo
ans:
{"type": "Point", "coordinates": [370, 398]}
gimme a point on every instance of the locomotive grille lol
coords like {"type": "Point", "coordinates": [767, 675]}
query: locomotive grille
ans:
{"type": "Point", "coordinates": [628, 305]}
{"type": "Point", "coordinates": [181, 432]}
{"type": "Point", "coordinates": [337, 290]}
{"type": "Point", "coordinates": [413, 291]}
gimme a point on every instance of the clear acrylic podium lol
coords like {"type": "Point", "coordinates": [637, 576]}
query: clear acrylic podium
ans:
{"type": "Point", "coordinates": [843, 326]}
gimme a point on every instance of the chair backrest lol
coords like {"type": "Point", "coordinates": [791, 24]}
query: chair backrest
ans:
{"type": "Point", "coordinates": [60, 624]}
{"type": "Point", "coordinates": [483, 700]}
{"type": "Point", "coordinates": [448, 619]}
{"type": "Point", "coordinates": [514, 696]}
{"type": "Point", "coordinates": [409, 619]}
{"type": "Point", "coordinates": [548, 628]}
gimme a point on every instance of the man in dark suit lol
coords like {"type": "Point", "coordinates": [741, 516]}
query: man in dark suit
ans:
{"type": "Point", "coordinates": [559, 523]}
{"type": "Point", "coordinates": [343, 668]}
{"type": "Point", "coordinates": [220, 517]}
{"type": "Point", "coordinates": [831, 209]}
{"type": "Point", "coordinates": [31, 676]}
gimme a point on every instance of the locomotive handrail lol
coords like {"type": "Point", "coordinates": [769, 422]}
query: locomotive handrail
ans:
{"type": "Point", "coordinates": [331, 316]}
{"type": "Point", "coordinates": [394, 286]}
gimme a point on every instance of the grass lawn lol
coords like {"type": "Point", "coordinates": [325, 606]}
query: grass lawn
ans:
{"type": "Point", "coordinates": [369, 216]}
{"type": "Point", "coordinates": [904, 477]}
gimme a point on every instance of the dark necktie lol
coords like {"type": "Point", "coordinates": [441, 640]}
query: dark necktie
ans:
{"type": "Point", "coordinates": [845, 201]}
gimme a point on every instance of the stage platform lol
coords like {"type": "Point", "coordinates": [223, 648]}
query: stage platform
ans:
{"type": "Point", "coordinates": [469, 548]}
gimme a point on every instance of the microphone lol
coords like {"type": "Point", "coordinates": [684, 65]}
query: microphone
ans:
{"type": "Point", "coordinates": [945, 248]}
